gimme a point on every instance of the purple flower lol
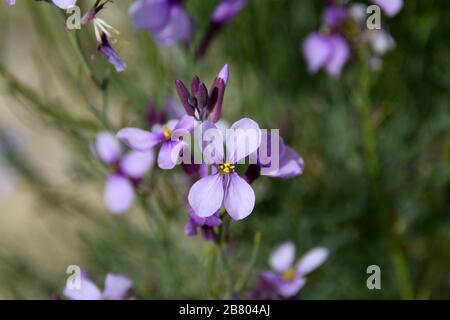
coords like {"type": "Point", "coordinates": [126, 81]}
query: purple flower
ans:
{"type": "Point", "coordinates": [168, 136]}
{"type": "Point", "coordinates": [125, 171]}
{"type": "Point", "coordinates": [111, 55]}
{"type": "Point", "coordinates": [226, 10]}
{"type": "Point", "coordinates": [390, 7]}
{"type": "Point", "coordinates": [206, 225]}
{"type": "Point", "coordinates": [200, 103]}
{"type": "Point", "coordinates": [171, 110]}
{"type": "Point", "coordinates": [224, 186]}
{"type": "Point", "coordinates": [330, 52]}
{"type": "Point", "coordinates": [116, 288]}
{"type": "Point", "coordinates": [166, 20]}
{"type": "Point", "coordinates": [279, 161]}
{"type": "Point", "coordinates": [284, 280]}
{"type": "Point", "coordinates": [334, 15]}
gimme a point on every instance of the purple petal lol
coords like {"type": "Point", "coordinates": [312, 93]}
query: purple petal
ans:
{"type": "Point", "coordinates": [178, 28]}
{"type": "Point", "coordinates": [211, 143]}
{"type": "Point", "coordinates": [173, 109]}
{"type": "Point", "coordinates": [169, 154]}
{"type": "Point", "coordinates": [119, 194]}
{"type": "Point", "coordinates": [223, 74]}
{"type": "Point", "coordinates": [290, 165]}
{"type": "Point", "coordinates": [135, 164]}
{"type": "Point", "coordinates": [381, 41]}
{"type": "Point", "coordinates": [116, 287]}
{"type": "Point", "coordinates": [10, 2]}
{"type": "Point", "coordinates": [107, 147]}
{"type": "Point", "coordinates": [190, 229]}
{"type": "Point", "coordinates": [111, 55]}
{"type": "Point", "coordinates": [311, 260]}
{"type": "Point", "coordinates": [64, 4]}
{"type": "Point", "coordinates": [282, 257]}
{"type": "Point", "coordinates": [289, 289]}
{"type": "Point", "coordinates": [206, 195]}
{"type": "Point", "coordinates": [339, 56]}
{"type": "Point", "coordinates": [87, 291]}
{"type": "Point", "coordinates": [333, 16]}
{"type": "Point", "coordinates": [149, 14]}
{"type": "Point", "coordinates": [317, 50]}
{"type": "Point", "coordinates": [239, 198]}
{"type": "Point", "coordinates": [186, 123]}
{"type": "Point", "coordinates": [139, 139]}
{"type": "Point", "coordinates": [227, 10]}
{"type": "Point", "coordinates": [390, 7]}
{"type": "Point", "coordinates": [244, 138]}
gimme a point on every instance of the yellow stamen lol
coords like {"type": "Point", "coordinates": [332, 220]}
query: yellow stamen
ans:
{"type": "Point", "coordinates": [226, 168]}
{"type": "Point", "coordinates": [288, 275]}
{"type": "Point", "coordinates": [167, 133]}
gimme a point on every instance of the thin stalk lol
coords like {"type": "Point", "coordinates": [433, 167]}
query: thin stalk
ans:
{"type": "Point", "coordinates": [245, 278]}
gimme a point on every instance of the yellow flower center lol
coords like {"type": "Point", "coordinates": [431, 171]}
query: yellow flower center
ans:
{"type": "Point", "coordinates": [288, 275]}
{"type": "Point", "coordinates": [226, 168]}
{"type": "Point", "coordinates": [167, 133]}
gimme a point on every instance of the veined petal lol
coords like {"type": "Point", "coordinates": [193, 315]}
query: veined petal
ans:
{"type": "Point", "coordinates": [312, 260]}
{"type": "Point", "coordinates": [239, 198]}
{"type": "Point", "coordinates": [282, 257]}
{"type": "Point", "coordinates": [119, 194]}
{"type": "Point", "coordinates": [116, 287]}
{"type": "Point", "coordinates": [139, 139]}
{"type": "Point", "coordinates": [135, 164]}
{"type": "Point", "coordinates": [211, 143]}
{"type": "Point", "coordinates": [206, 195]}
{"type": "Point", "coordinates": [107, 147]}
{"type": "Point", "coordinates": [243, 138]}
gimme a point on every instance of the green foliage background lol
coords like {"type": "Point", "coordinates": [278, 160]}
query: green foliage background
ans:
{"type": "Point", "coordinates": [398, 219]}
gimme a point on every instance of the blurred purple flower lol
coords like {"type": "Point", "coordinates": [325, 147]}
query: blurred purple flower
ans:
{"type": "Point", "coordinates": [168, 136]}
{"type": "Point", "coordinates": [63, 4]}
{"type": "Point", "coordinates": [166, 20]}
{"type": "Point", "coordinates": [334, 15]}
{"type": "Point", "coordinates": [171, 110]}
{"type": "Point", "coordinates": [116, 288]}
{"type": "Point", "coordinates": [390, 7]}
{"type": "Point", "coordinates": [200, 103]}
{"type": "Point", "coordinates": [330, 52]}
{"type": "Point", "coordinates": [288, 165]}
{"type": "Point", "coordinates": [224, 186]}
{"type": "Point", "coordinates": [285, 281]}
{"type": "Point", "coordinates": [125, 171]}
{"type": "Point", "coordinates": [206, 225]}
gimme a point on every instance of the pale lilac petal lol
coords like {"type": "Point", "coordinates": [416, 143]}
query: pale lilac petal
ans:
{"type": "Point", "coordinates": [206, 195]}
{"type": "Point", "coordinates": [227, 10]}
{"type": "Point", "coordinates": [381, 41]}
{"type": "Point", "coordinates": [211, 143]}
{"type": "Point", "coordinates": [243, 138]}
{"type": "Point", "coordinates": [107, 147]}
{"type": "Point", "coordinates": [116, 287]}
{"type": "Point", "coordinates": [290, 165]}
{"type": "Point", "coordinates": [178, 28]}
{"type": "Point", "coordinates": [186, 123]}
{"type": "Point", "coordinates": [317, 50]}
{"type": "Point", "coordinates": [139, 139]}
{"type": "Point", "coordinates": [169, 154]}
{"type": "Point", "coordinates": [149, 14]}
{"type": "Point", "coordinates": [135, 164]}
{"type": "Point", "coordinates": [64, 4]}
{"type": "Point", "coordinates": [119, 194]}
{"type": "Point", "coordinates": [239, 198]}
{"type": "Point", "coordinates": [311, 260]}
{"type": "Point", "coordinates": [390, 7]}
{"type": "Point", "coordinates": [223, 74]}
{"type": "Point", "coordinates": [282, 257]}
{"type": "Point", "coordinates": [339, 56]}
{"type": "Point", "coordinates": [87, 291]}
{"type": "Point", "coordinates": [289, 289]}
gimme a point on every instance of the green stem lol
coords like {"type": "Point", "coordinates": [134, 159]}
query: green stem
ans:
{"type": "Point", "coordinates": [398, 258]}
{"type": "Point", "coordinates": [224, 260]}
{"type": "Point", "coordinates": [243, 281]}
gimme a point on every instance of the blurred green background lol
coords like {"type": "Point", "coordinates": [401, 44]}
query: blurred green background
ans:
{"type": "Point", "coordinates": [397, 219]}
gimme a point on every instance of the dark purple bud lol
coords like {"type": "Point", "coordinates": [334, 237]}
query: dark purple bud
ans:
{"type": "Point", "coordinates": [195, 83]}
{"type": "Point", "coordinates": [253, 172]}
{"type": "Point", "coordinates": [202, 97]}
{"type": "Point", "coordinates": [184, 95]}
{"type": "Point", "coordinates": [153, 115]}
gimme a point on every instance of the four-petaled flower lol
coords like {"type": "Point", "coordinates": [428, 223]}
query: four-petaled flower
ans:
{"type": "Point", "coordinates": [125, 171]}
{"type": "Point", "coordinates": [169, 136]}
